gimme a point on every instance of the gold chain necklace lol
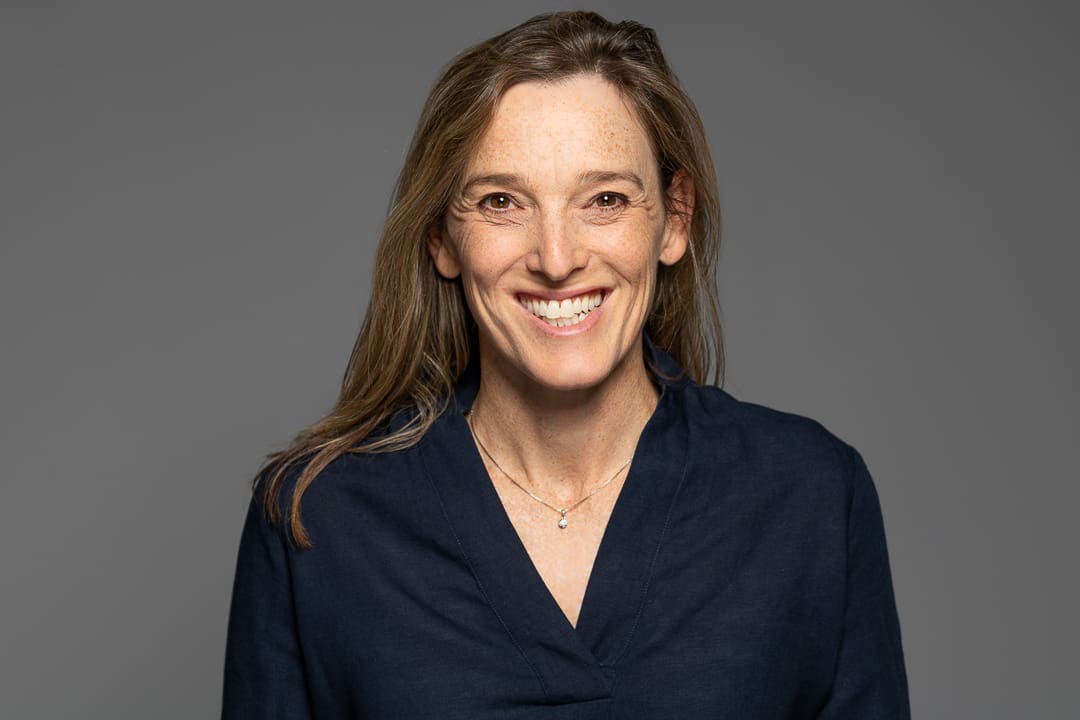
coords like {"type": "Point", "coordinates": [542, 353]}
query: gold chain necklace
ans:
{"type": "Point", "coordinates": [562, 511]}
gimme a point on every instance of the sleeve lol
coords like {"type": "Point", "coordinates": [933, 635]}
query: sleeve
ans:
{"type": "Point", "coordinates": [264, 673]}
{"type": "Point", "coordinates": [870, 681]}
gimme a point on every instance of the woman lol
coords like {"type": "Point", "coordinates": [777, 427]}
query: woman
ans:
{"type": "Point", "coordinates": [523, 504]}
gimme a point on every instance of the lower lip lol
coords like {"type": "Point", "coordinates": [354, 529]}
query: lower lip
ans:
{"type": "Point", "coordinates": [585, 325]}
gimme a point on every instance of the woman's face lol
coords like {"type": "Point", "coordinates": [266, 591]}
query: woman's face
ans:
{"type": "Point", "coordinates": [556, 234]}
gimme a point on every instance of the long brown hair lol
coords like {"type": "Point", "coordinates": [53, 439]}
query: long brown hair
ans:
{"type": "Point", "coordinates": [409, 354]}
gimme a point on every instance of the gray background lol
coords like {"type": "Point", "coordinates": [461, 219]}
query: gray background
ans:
{"type": "Point", "coordinates": [190, 198]}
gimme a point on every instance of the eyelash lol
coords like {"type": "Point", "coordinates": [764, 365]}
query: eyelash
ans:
{"type": "Point", "coordinates": [621, 202]}
{"type": "Point", "coordinates": [614, 196]}
{"type": "Point", "coordinates": [497, 211]}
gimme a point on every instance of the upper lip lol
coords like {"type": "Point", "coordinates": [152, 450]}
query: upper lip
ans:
{"type": "Point", "coordinates": [559, 295]}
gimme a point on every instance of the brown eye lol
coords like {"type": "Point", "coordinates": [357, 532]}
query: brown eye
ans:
{"type": "Point", "coordinates": [498, 201]}
{"type": "Point", "coordinates": [608, 200]}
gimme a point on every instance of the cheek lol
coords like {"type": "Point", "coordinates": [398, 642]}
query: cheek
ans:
{"type": "Point", "coordinates": [483, 265]}
{"type": "Point", "coordinates": [634, 249]}
{"type": "Point", "coordinates": [489, 252]}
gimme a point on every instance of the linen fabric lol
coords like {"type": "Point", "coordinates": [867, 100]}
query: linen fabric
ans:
{"type": "Point", "coordinates": [743, 574]}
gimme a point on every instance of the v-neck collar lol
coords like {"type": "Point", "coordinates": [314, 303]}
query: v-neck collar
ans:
{"type": "Point", "coordinates": [571, 664]}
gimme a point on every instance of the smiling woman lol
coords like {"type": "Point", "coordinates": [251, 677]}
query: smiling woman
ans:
{"type": "Point", "coordinates": [525, 502]}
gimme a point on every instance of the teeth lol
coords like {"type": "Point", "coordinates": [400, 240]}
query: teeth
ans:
{"type": "Point", "coordinates": [566, 313]}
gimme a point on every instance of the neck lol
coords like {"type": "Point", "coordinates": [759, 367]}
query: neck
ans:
{"type": "Point", "coordinates": [563, 443]}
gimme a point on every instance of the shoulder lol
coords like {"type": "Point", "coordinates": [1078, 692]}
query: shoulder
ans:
{"type": "Point", "coordinates": [767, 444]}
{"type": "Point", "coordinates": [715, 411]}
{"type": "Point", "coordinates": [351, 485]}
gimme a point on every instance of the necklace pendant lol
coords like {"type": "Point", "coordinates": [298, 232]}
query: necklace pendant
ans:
{"type": "Point", "coordinates": [563, 523]}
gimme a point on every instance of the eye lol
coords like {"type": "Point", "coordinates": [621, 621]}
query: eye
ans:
{"type": "Point", "coordinates": [498, 202]}
{"type": "Point", "coordinates": [609, 201]}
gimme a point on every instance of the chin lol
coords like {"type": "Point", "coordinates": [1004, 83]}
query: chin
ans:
{"type": "Point", "coordinates": [569, 382]}
{"type": "Point", "coordinates": [574, 373]}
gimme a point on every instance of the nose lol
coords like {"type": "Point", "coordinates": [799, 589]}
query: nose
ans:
{"type": "Point", "coordinates": [559, 248]}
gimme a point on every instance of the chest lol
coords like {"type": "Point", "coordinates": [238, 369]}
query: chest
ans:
{"type": "Point", "coordinates": [563, 553]}
{"type": "Point", "coordinates": [435, 592]}
{"type": "Point", "coordinates": [417, 605]}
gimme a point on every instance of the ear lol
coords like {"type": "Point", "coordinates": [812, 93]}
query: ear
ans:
{"type": "Point", "coordinates": [443, 251]}
{"type": "Point", "coordinates": [679, 219]}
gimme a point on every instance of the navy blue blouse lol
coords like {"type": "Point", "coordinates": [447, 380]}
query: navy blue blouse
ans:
{"type": "Point", "coordinates": [743, 574]}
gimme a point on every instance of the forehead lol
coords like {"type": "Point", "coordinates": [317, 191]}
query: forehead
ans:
{"type": "Point", "coordinates": [581, 122]}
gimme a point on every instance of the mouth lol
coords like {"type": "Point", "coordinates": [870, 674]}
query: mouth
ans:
{"type": "Point", "coordinates": [565, 312]}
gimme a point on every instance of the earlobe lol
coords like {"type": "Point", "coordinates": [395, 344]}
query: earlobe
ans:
{"type": "Point", "coordinates": [443, 252]}
{"type": "Point", "coordinates": [679, 220]}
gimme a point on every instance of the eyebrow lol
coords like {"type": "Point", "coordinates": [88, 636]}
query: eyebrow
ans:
{"type": "Point", "coordinates": [589, 177]}
{"type": "Point", "coordinates": [500, 179]}
{"type": "Point", "coordinates": [596, 177]}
